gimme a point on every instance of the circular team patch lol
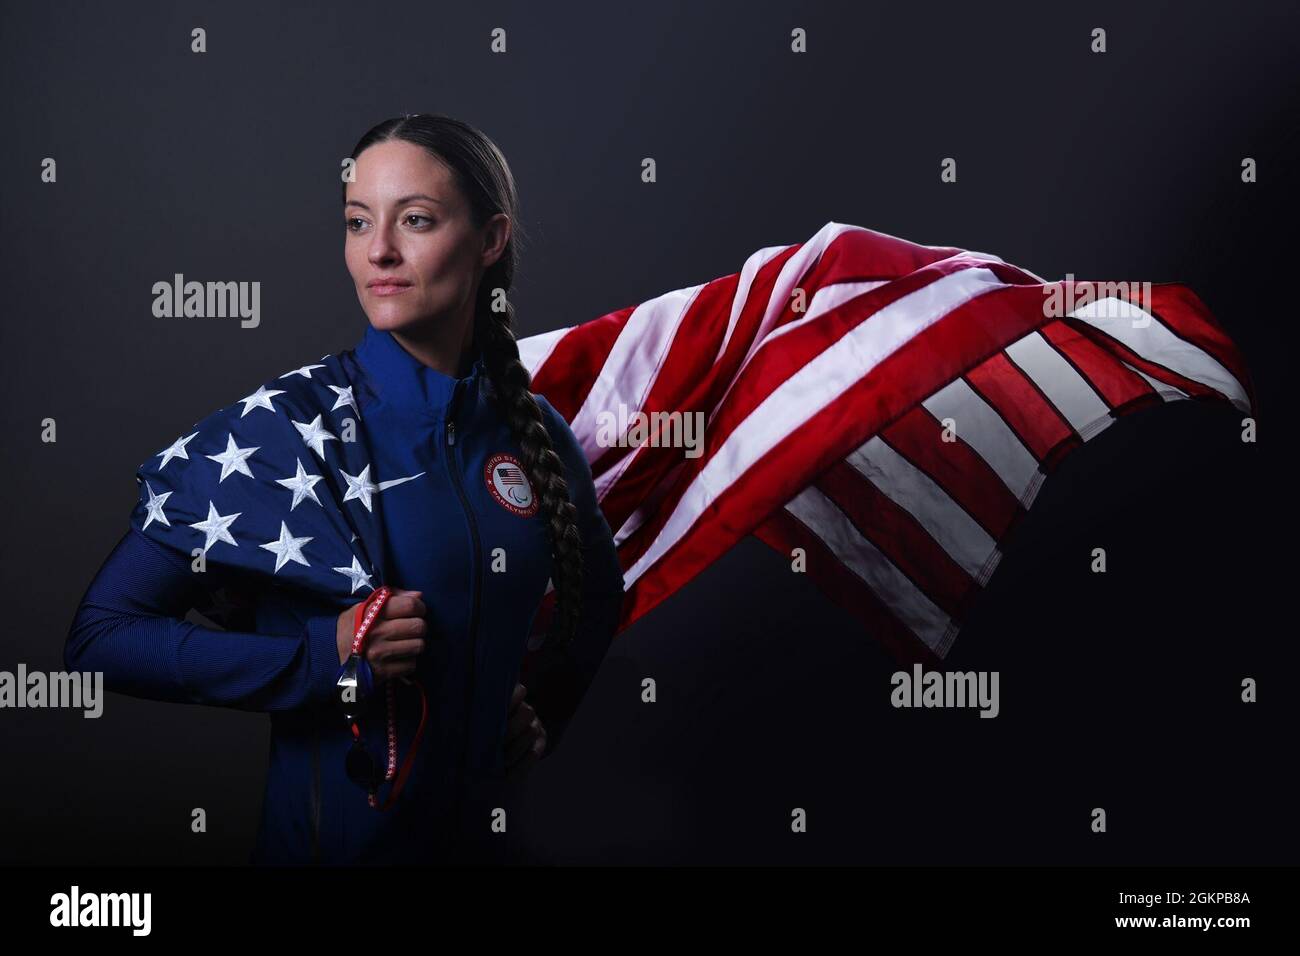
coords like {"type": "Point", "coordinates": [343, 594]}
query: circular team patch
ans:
{"type": "Point", "coordinates": [509, 485]}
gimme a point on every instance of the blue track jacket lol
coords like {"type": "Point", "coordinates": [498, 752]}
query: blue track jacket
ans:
{"type": "Point", "coordinates": [448, 536]}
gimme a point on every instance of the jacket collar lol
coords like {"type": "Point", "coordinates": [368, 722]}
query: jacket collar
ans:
{"type": "Point", "coordinates": [402, 381]}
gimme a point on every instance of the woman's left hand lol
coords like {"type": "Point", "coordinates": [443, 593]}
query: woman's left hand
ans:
{"type": "Point", "coordinates": [525, 735]}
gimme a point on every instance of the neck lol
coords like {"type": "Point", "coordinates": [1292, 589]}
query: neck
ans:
{"type": "Point", "coordinates": [444, 346]}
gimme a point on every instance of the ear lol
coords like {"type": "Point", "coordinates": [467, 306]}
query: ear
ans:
{"type": "Point", "coordinates": [495, 236]}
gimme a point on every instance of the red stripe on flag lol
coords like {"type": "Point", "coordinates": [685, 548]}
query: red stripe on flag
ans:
{"type": "Point", "coordinates": [1182, 310]}
{"type": "Point", "coordinates": [1034, 419]}
{"type": "Point", "coordinates": [1115, 384]}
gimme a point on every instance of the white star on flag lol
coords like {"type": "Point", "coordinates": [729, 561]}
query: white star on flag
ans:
{"type": "Point", "coordinates": [175, 450]}
{"type": "Point", "coordinates": [344, 398]}
{"type": "Point", "coordinates": [315, 435]}
{"type": "Point", "coordinates": [260, 399]}
{"type": "Point", "coordinates": [301, 486]}
{"type": "Point", "coordinates": [305, 371]}
{"type": "Point", "coordinates": [359, 486]}
{"type": "Point", "coordinates": [233, 459]}
{"type": "Point", "coordinates": [358, 576]}
{"type": "Point", "coordinates": [215, 527]}
{"type": "Point", "coordinates": [155, 507]}
{"type": "Point", "coordinates": [287, 548]}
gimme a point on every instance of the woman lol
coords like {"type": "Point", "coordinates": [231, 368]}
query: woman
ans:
{"type": "Point", "coordinates": [489, 496]}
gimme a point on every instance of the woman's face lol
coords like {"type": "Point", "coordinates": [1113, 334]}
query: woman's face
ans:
{"type": "Point", "coordinates": [414, 254]}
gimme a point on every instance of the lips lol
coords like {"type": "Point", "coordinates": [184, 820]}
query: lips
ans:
{"type": "Point", "coordinates": [388, 285]}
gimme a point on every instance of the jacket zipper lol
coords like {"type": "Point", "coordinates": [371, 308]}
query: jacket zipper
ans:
{"type": "Point", "coordinates": [474, 614]}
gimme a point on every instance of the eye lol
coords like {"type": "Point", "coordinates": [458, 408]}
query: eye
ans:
{"type": "Point", "coordinates": [349, 224]}
{"type": "Point", "coordinates": [416, 215]}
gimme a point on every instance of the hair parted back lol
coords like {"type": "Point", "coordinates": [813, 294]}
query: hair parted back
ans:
{"type": "Point", "coordinates": [484, 178]}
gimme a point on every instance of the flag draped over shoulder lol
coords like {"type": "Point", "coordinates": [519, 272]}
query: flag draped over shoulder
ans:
{"type": "Point", "coordinates": [891, 408]}
{"type": "Point", "coordinates": [277, 488]}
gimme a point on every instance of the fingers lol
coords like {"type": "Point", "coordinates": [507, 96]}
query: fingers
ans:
{"type": "Point", "coordinates": [399, 629]}
{"type": "Point", "coordinates": [525, 736]}
{"type": "Point", "coordinates": [398, 637]}
{"type": "Point", "coordinates": [524, 731]}
{"type": "Point", "coordinates": [403, 604]}
{"type": "Point", "coordinates": [519, 720]}
{"type": "Point", "coordinates": [394, 658]}
{"type": "Point", "coordinates": [520, 760]}
{"type": "Point", "coordinates": [395, 650]}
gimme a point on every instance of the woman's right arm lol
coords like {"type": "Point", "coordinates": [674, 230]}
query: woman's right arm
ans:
{"type": "Point", "coordinates": [130, 626]}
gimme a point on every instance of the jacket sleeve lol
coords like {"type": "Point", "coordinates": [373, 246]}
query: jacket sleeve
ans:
{"type": "Point", "coordinates": [129, 626]}
{"type": "Point", "coordinates": [556, 679]}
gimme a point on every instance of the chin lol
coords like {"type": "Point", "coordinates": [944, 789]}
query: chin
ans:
{"type": "Point", "coordinates": [387, 319]}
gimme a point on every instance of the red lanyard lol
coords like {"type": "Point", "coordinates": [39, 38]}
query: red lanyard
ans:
{"type": "Point", "coordinates": [367, 613]}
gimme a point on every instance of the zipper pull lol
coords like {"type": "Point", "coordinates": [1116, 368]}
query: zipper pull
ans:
{"type": "Point", "coordinates": [451, 433]}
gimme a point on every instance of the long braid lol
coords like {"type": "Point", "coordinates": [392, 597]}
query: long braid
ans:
{"type": "Point", "coordinates": [511, 390]}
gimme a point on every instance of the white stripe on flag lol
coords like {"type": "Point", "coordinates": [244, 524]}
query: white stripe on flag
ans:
{"type": "Point", "coordinates": [792, 272]}
{"type": "Point", "coordinates": [857, 553]}
{"type": "Point", "coordinates": [536, 349]}
{"type": "Point", "coordinates": [1156, 342]}
{"type": "Point", "coordinates": [1166, 391]}
{"type": "Point", "coordinates": [978, 425]}
{"type": "Point", "coordinates": [633, 363]}
{"type": "Point", "coordinates": [1064, 387]}
{"type": "Point", "coordinates": [914, 491]}
{"type": "Point", "coordinates": [825, 299]}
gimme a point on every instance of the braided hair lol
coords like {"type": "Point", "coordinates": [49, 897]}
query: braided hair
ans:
{"type": "Point", "coordinates": [484, 178]}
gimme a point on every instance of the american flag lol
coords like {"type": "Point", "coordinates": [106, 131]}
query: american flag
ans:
{"type": "Point", "coordinates": [510, 475]}
{"type": "Point", "coordinates": [890, 408]}
{"type": "Point", "coordinates": [830, 373]}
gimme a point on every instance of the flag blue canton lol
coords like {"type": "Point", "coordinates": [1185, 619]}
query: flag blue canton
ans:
{"type": "Point", "coordinates": [278, 485]}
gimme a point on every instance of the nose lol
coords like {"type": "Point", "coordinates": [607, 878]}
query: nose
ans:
{"type": "Point", "coordinates": [382, 250]}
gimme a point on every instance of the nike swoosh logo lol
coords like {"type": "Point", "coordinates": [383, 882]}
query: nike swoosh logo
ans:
{"type": "Point", "coordinates": [397, 481]}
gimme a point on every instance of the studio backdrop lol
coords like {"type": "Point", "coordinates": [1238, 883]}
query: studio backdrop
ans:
{"type": "Point", "coordinates": [833, 231]}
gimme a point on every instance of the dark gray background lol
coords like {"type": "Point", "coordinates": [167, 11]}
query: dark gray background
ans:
{"type": "Point", "coordinates": [1118, 691]}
